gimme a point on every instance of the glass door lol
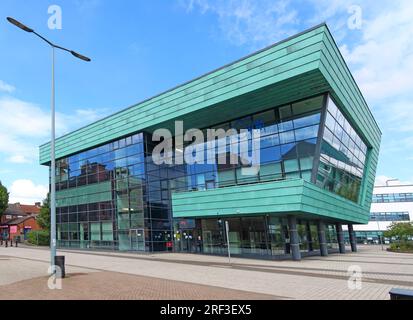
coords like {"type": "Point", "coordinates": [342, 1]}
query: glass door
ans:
{"type": "Point", "coordinates": [187, 241]}
{"type": "Point", "coordinates": [137, 239]}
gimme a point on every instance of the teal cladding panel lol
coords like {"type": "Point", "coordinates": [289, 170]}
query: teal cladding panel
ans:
{"type": "Point", "coordinates": [280, 197]}
{"type": "Point", "coordinates": [93, 193]}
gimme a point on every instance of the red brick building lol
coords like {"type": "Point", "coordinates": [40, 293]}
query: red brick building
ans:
{"type": "Point", "coordinates": [31, 209]}
{"type": "Point", "coordinates": [18, 220]}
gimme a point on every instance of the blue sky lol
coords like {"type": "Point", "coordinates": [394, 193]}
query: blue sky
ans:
{"type": "Point", "coordinates": [141, 48]}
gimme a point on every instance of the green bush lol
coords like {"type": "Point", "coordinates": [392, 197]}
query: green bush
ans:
{"type": "Point", "coordinates": [39, 238]}
{"type": "Point", "coordinates": [402, 246]}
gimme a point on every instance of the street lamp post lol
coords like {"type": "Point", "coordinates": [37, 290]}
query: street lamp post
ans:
{"type": "Point", "coordinates": [228, 244]}
{"type": "Point", "coordinates": [53, 136]}
{"type": "Point", "coordinates": [380, 237]}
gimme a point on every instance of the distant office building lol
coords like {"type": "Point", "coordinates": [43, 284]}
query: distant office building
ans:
{"type": "Point", "coordinates": [319, 149]}
{"type": "Point", "coordinates": [390, 204]}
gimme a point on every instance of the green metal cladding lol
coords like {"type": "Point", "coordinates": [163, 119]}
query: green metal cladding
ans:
{"type": "Point", "coordinates": [293, 195]}
{"type": "Point", "coordinates": [301, 66]}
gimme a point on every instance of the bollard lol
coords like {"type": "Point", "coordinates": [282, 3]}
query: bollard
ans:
{"type": "Point", "coordinates": [7, 244]}
{"type": "Point", "coordinates": [59, 261]}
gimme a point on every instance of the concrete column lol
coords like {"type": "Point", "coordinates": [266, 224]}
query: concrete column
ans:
{"type": "Point", "coordinates": [294, 243]}
{"type": "Point", "coordinates": [353, 240]}
{"type": "Point", "coordinates": [340, 238]}
{"type": "Point", "coordinates": [321, 228]}
{"type": "Point", "coordinates": [285, 239]}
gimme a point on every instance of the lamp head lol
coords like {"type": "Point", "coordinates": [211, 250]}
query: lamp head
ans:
{"type": "Point", "coordinates": [19, 24]}
{"type": "Point", "coordinates": [79, 56]}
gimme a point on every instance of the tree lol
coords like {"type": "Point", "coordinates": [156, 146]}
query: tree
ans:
{"type": "Point", "coordinates": [43, 219]}
{"type": "Point", "coordinates": [4, 199]}
{"type": "Point", "coordinates": [402, 231]}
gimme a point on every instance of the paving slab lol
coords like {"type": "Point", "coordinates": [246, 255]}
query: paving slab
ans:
{"type": "Point", "coordinates": [311, 278]}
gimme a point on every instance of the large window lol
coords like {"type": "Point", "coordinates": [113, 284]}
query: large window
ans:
{"type": "Point", "coordinates": [263, 235]}
{"type": "Point", "coordinates": [288, 138]}
{"type": "Point", "coordinates": [247, 235]}
{"type": "Point", "coordinates": [99, 164]}
{"type": "Point", "coordinates": [343, 156]}
{"type": "Point", "coordinates": [105, 199]}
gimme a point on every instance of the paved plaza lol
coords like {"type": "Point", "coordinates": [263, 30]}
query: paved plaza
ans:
{"type": "Point", "coordinates": [113, 275]}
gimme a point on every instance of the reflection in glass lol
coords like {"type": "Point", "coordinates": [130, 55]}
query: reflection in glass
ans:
{"type": "Point", "coordinates": [343, 156]}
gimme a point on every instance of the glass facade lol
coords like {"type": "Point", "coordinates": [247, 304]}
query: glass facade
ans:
{"type": "Point", "coordinates": [115, 197]}
{"type": "Point", "coordinates": [389, 216]}
{"type": "Point", "coordinates": [106, 199]}
{"type": "Point", "coordinates": [342, 157]}
{"type": "Point", "coordinates": [393, 197]}
{"type": "Point", "coordinates": [258, 236]}
{"type": "Point", "coordinates": [367, 237]}
{"type": "Point", "coordinates": [288, 138]}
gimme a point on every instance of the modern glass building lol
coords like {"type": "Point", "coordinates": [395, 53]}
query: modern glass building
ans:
{"type": "Point", "coordinates": [319, 145]}
{"type": "Point", "coordinates": [391, 204]}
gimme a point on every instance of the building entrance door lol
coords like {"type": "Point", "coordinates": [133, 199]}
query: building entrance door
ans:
{"type": "Point", "coordinates": [137, 239]}
{"type": "Point", "coordinates": [187, 241]}
{"type": "Point", "coordinates": [192, 241]}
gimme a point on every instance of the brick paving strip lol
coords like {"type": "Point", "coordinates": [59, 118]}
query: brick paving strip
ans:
{"type": "Point", "coordinates": [118, 286]}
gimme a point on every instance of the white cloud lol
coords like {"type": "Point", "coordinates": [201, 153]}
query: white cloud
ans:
{"type": "Point", "coordinates": [23, 118]}
{"type": "Point", "coordinates": [27, 126]}
{"type": "Point", "coordinates": [18, 159]}
{"type": "Point", "coordinates": [254, 23]}
{"type": "Point", "coordinates": [399, 117]}
{"type": "Point", "coordinates": [26, 192]}
{"type": "Point", "coordinates": [383, 60]}
{"type": "Point", "coordinates": [5, 87]}
{"type": "Point", "coordinates": [12, 147]}
{"type": "Point", "coordinates": [382, 63]}
{"type": "Point", "coordinates": [23, 129]}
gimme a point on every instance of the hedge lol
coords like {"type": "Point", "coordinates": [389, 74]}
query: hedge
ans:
{"type": "Point", "coordinates": [39, 238]}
